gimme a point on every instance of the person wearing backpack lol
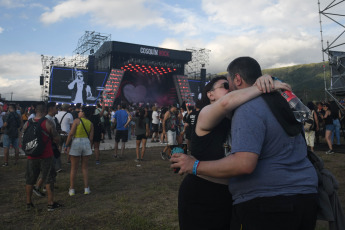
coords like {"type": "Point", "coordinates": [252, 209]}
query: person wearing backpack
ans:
{"type": "Point", "coordinates": [310, 126]}
{"type": "Point", "coordinates": [12, 124]}
{"type": "Point", "coordinates": [42, 162]}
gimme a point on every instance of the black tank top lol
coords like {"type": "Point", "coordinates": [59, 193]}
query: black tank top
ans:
{"type": "Point", "coordinates": [329, 120]}
{"type": "Point", "coordinates": [211, 146]}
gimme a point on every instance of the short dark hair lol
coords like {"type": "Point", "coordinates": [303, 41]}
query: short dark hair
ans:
{"type": "Point", "coordinates": [208, 87]}
{"type": "Point", "coordinates": [12, 105]}
{"type": "Point", "coordinates": [51, 105]}
{"type": "Point", "coordinates": [123, 105]}
{"type": "Point", "coordinates": [248, 68]}
{"type": "Point", "coordinates": [41, 107]}
{"type": "Point", "coordinates": [88, 111]}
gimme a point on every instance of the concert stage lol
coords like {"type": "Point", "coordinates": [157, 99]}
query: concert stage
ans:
{"type": "Point", "coordinates": [123, 72]}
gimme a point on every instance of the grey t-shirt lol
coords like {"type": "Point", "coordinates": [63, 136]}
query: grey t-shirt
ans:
{"type": "Point", "coordinates": [140, 130]}
{"type": "Point", "coordinates": [282, 168]}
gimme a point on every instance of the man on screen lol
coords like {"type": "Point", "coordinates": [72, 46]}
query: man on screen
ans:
{"type": "Point", "coordinates": [80, 90]}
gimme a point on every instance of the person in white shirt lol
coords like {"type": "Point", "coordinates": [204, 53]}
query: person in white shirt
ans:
{"type": "Point", "coordinates": [155, 123]}
{"type": "Point", "coordinates": [66, 120]}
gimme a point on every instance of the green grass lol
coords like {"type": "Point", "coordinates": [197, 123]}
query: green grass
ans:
{"type": "Point", "coordinates": [124, 196]}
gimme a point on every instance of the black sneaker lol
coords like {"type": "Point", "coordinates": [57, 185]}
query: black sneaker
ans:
{"type": "Point", "coordinates": [38, 192]}
{"type": "Point", "coordinates": [5, 164]}
{"type": "Point", "coordinates": [330, 152]}
{"type": "Point", "coordinates": [29, 206]}
{"type": "Point", "coordinates": [52, 207]}
{"type": "Point", "coordinates": [163, 155]}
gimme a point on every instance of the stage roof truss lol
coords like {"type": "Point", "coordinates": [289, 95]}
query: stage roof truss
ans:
{"type": "Point", "coordinates": [90, 42]}
{"type": "Point", "coordinates": [200, 59]}
{"type": "Point", "coordinates": [336, 58]}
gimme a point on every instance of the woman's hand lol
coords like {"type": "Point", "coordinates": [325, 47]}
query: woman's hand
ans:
{"type": "Point", "coordinates": [265, 83]}
{"type": "Point", "coordinates": [278, 85]}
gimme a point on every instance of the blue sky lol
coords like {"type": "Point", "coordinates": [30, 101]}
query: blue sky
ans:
{"type": "Point", "coordinates": [275, 32]}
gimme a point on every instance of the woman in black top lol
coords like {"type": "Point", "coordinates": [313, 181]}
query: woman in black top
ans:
{"type": "Point", "coordinates": [327, 117]}
{"type": "Point", "coordinates": [205, 202]}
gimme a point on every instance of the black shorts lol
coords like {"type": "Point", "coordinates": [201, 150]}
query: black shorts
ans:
{"type": "Point", "coordinates": [36, 166]}
{"type": "Point", "coordinates": [155, 128]}
{"type": "Point", "coordinates": [141, 136]}
{"type": "Point", "coordinates": [121, 135]}
{"type": "Point", "coordinates": [97, 135]}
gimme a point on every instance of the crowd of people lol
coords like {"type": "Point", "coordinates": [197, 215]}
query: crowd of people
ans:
{"type": "Point", "coordinates": [238, 133]}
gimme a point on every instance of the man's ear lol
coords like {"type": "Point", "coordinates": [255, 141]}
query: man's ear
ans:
{"type": "Point", "coordinates": [238, 80]}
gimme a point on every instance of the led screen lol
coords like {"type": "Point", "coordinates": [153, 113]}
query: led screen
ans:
{"type": "Point", "coordinates": [69, 85]}
{"type": "Point", "coordinates": [137, 87]}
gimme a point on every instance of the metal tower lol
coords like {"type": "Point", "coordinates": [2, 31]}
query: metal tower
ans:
{"type": "Point", "coordinates": [91, 41]}
{"type": "Point", "coordinates": [336, 22]}
{"type": "Point", "coordinates": [200, 59]}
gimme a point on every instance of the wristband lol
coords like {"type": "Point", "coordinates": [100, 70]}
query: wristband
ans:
{"type": "Point", "coordinates": [195, 166]}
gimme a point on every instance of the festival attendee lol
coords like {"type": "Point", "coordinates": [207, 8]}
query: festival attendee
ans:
{"type": "Point", "coordinates": [82, 131]}
{"type": "Point", "coordinates": [155, 124]}
{"type": "Point", "coordinates": [32, 111]}
{"type": "Point", "coordinates": [141, 132]}
{"type": "Point", "coordinates": [169, 123]}
{"type": "Point", "coordinates": [310, 134]}
{"type": "Point", "coordinates": [52, 111]}
{"type": "Point", "coordinates": [44, 163]}
{"type": "Point", "coordinates": [97, 127]}
{"type": "Point", "coordinates": [190, 123]}
{"type": "Point", "coordinates": [214, 195]}
{"type": "Point", "coordinates": [25, 115]}
{"type": "Point", "coordinates": [65, 120]}
{"type": "Point", "coordinates": [76, 111]}
{"type": "Point", "coordinates": [329, 126]}
{"type": "Point", "coordinates": [266, 146]}
{"type": "Point", "coordinates": [336, 122]}
{"type": "Point", "coordinates": [319, 110]}
{"type": "Point", "coordinates": [11, 130]}
{"type": "Point", "coordinates": [107, 124]}
{"type": "Point", "coordinates": [101, 116]}
{"type": "Point", "coordinates": [2, 113]}
{"type": "Point", "coordinates": [164, 137]}
{"type": "Point", "coordinates": [122, 119]}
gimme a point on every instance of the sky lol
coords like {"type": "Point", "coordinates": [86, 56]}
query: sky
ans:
{"type": "Point", "coordinates": [277, 33]}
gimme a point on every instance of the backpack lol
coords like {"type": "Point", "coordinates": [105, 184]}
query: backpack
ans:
{"type": "Point", "coordinates": [309, 123]}
{"type": "Point", "coordinates": [33, 144]}
{"type": "Point", "coordinates": [13, 123]}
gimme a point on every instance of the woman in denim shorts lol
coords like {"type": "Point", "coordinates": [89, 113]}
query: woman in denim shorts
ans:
{"type": "Point", "coordinates": [82, 131]}
{"type": "Point", "coordinates": [328, 118]}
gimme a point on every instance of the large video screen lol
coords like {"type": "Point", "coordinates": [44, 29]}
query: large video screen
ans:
{"type": "Point", "coordinates": [137, 88]}
{"type": "Point", "coordinates": [71, 85]}
{"type": "Point", "coordinates": [195, 89]}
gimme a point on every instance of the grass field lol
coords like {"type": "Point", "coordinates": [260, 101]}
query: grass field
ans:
{"type": "Point", "coordinates": [124, 196]}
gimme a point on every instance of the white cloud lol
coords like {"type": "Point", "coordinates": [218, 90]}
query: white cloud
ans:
{"type": "Point", "coordinates": [19, 73]}
{"type": "Point", "coordinates": [119, 14]}
{"type": "Point", "coordinates": [12, 3]}
{"type": "Point", "coordinates": [1, 29]}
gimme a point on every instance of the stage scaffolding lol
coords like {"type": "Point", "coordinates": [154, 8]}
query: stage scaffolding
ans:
{"type": "Point", "coordinates": [329, 10]}
{"type": "Point", "coordinates": [90, 41]}
{"type": "Point", "coordinates": [200, 59]}
{"type": "Point", "coordinates": [77, 61]}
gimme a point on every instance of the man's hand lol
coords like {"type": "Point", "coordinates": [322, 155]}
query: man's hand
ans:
{"type": "Point", "coordinates": [182, 161]}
